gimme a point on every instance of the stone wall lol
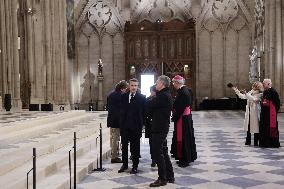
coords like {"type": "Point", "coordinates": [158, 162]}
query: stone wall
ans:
{"type": "Point", "coordinates": [224, 39]}
{"type": "Point", "coordinates": [98, 38]}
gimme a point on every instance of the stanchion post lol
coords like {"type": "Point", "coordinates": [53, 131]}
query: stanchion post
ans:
{"type": "Point", "coordinates": [101, 151]}
{"type": "Point", "coordinates": [70, 183]}
{"type": "Point", "coordinates": [101, 147]}
{"type": "Point", "coordinates": [74, 160]}
{"type": "Point", "coordinates": [34, 168]}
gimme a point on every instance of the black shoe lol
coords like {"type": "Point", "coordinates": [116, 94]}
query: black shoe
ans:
{"type": "Point", "coordinates": [122, 169]}
{"type": "Point", "coordinates": [171, 180]}
{"type": "Point", "coordinates": [134, 171]}
{"type": "Point", "coordinates": [116, 160]}
{"type": "Point", "coordinates": [158, 183]}
{"type": "Point", "coordinates": [247, 143]}
{"type": "Point", "coordinates": [182, 164]}
{"type": "Point", "coordinates": [153, 164]}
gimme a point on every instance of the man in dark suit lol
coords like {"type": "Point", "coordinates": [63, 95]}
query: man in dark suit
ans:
{"type": "Point", "coordinates": [113, 106]}
{"type": "Point", "coordinates": [161, 107]}
{"type": "Point", "coordinates": [132, 117]}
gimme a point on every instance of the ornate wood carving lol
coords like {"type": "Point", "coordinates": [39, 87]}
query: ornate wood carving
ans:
{"type": "Point", "coordinates": [161, 48]}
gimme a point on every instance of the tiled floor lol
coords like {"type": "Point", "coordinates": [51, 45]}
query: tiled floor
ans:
{"type": "Point", "coordinates": [224, 162]}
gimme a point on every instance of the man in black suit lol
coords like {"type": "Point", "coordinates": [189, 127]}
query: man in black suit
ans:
{"type": "Point", "coordinates": [161, 107]}
{"type": "Point", "coordinates": [132, 117]}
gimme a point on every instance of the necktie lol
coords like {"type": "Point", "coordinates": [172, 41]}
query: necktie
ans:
{"type": "Point", "coordinates": [131, 97]}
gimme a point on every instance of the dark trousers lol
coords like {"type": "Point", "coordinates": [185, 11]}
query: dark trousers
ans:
{"type": "Point", "coordinates": [161, 156]}
{"type": "Point", "coordinates": [255, 137]}
{"type": "Point", "coordinates": [151, 147]}
{"type": "Point", "coordinates": [132, 137]}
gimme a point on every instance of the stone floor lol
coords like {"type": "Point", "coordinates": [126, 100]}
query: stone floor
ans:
{"type": "Point", "coordinates": [9, 117]}
{"type": "Point", "coordinates": [224, 162]}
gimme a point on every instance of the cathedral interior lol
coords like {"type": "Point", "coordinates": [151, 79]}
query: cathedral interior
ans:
{"type": "Point", "coordinates": [50, 49]}
{"type": "Point", "coordinates": [69, 54]}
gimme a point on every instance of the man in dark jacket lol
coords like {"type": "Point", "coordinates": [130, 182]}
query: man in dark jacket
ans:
{"type": "Point", "coordinates": [161, 106]}
{"type": "Point", "coordinates": [113, 118]}
{"type": "Point", "coordinates": [132, 119]}
{"type": "Point", "coordinates": [148, 122]}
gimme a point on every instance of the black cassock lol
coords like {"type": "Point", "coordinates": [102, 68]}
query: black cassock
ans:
{"type": "Point", "coordinates": [183, 146]}
{"type": "Point", "coordinates": [268, 128]}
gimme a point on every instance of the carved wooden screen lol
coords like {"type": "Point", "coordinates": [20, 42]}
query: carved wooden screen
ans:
{"type": "Point", "coordinates": [161, 48]}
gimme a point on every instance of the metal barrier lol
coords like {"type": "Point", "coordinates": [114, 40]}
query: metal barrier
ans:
{"type": "Point", "coordinates": [32, 169]}
{"type": "Point", "coordinates": [101, 152]}
{"type": "Point", "coordinates": [74, 160]}
{"type": "Point", "coordinates": [70, 169]}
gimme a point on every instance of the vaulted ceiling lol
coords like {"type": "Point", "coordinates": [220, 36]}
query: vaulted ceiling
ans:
{"type": "Point", "coordinates": [111, 15]}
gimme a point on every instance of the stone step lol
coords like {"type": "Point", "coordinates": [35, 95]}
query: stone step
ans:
{"type": "Point", "coordinates": [52, 148]}
{"type": "Point", "coordinates": [52, 163]}
{"type": "Point", "coordinates": [85, 165]}
{"type": "Point", "coordinates": [11, 160]}
{"type": "Point", "coordinates": [40, 120]}
{"type": "Point", "coordinates": [31, 129]}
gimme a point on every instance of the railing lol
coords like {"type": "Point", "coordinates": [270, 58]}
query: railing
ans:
{"type": "Point", "coordinates": [101, 152]}
{"type": "Point", "coordinates": [99, 166]}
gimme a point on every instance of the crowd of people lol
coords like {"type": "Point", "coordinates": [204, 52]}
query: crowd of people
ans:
{"type": "Point", "coordinates": [129, 111]}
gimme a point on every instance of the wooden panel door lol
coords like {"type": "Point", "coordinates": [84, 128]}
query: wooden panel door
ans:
{"type": "Point", "coordinates": [161, 48]}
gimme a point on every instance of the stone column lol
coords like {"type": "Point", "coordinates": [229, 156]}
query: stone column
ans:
{"type": "Point", "coordinates": [100, 97]}
{"type": "Point", "coordinates": [16, 68]}
{"type": "Point", "coordinates": [8, 45]}
{"type": "Point", "coordinates": [272, 38]}
{"type": "Point", "coordinates": [282, 71]}
{"type": "Point", "coordinates": [66, 72]}
{"type": "Point", "coordinates": [3, 48]}
{"type": "Point", "coordinates": [278, 50]}
{"type": "Point", "coordinates": [30, 50]}
{"type": "Point", "coordinates": [47, 50]}
{"type": "Point", "coordinates": [1, 103]}
{"type": "Point", "coordinates": [266, 42]}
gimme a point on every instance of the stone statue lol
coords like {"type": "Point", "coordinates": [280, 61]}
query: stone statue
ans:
{"type": "Point", "coordinates": [100, 67]}
{"type": "Point", "coordinates": [253, 73]}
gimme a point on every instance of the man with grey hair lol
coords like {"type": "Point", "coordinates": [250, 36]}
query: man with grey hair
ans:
{"type": "Point", "coordinates": [270, 105]}
{"type": "Point", "coordinates": [160, 108]}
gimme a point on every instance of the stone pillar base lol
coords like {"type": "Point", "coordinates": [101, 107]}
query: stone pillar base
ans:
{"type": "Point", "coordinates": [100, 105]}
{"type": "Point", "coordinates": [100, 96]}
{"type": "Point", "coordinates": [1, 105]}
{"type": "Point", "coordinates": [16, 104]}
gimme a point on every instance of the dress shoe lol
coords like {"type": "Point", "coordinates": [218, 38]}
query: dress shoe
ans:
{"type": "Point", "coordinates": [122, 169]}
{"type": "Point", "coordinates": [182, 164]}
{"type": "Point", "coordinates": [116, 160]}
{"type": "Point", "coordinates": [247, 143]}
{"type": "Point", "coordinates": [134, 171]}
{"type": "Point", "coordinates": [153, 164]}
{"type": "Point", "coordinates": [158, 183]}
{"type": "Point", "coordinates": [171, 180]}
